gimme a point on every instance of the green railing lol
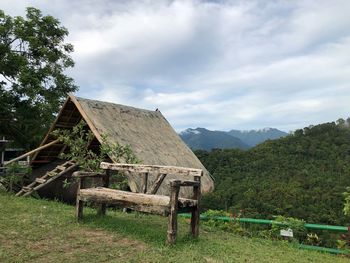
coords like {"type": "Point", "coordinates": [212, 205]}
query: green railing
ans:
{"type": "Point", "coordinates": [342, 229]}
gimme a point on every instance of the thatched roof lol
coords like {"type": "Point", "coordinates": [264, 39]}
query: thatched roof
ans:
{"type": "Point", "coordinates": [149, 134]}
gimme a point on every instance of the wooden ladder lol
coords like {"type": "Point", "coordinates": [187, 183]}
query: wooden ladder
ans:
{"type": "Point", "coordinates": [47, 178]}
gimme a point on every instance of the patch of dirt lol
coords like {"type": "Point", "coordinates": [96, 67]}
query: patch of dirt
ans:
{"type": "Point", "coordinates": [101, 236]}
{"type": "Point", "coordinates": [79, 242]}
{"type": "Point", "coordinates": [85, 238]}
{"type": "Point", "coordinates": [211, 260]}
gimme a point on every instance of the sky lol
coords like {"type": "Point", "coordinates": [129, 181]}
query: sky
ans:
{"type": "Point", "coordinates": [216, 64]}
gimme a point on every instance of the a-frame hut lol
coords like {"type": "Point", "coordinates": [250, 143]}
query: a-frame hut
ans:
{"type": "Point", "coordinates": [149, 134]}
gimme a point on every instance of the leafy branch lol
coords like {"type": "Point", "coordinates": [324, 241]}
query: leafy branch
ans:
{"type": "Point", "coordinates": [79, 140]}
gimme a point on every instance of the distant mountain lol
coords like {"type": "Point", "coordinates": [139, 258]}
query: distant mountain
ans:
{"type": "Point", "coordinates": [254, 137]}
{"type": "Point", "coordinates": [203, 139]}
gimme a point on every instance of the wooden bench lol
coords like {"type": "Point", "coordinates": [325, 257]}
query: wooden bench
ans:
{"type": "Point", "coordinates": [147, 201]}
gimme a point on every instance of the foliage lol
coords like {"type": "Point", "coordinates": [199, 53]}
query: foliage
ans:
{"type": "Point", "coordinates": [33, 58]}
{"type": "Point", "coordinates": [13, 176]}
{"type": "Point", "coordinates": [27, 223]}
{"type": "Point", "coordinates": [346, 208]}
{"type": "Point", "coordinates": [302, 175]}
{"type": "Point", "coordinates": [216, 220]}
{"type": "Point", "coordinates": [230, 226]}
{"type": "Point", "coordinates": [78, 141]}
{"type": "Point", "coordinates": [297, 226]}
{"type": "Point", "coordinates": [314, 240]}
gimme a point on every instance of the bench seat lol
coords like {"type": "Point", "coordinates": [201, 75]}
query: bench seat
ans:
{"type": "Point", "coordinates": [159, 204]}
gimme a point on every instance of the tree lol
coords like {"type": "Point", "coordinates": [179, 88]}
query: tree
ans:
{"type": "Point", "coordinates": [33, 58]}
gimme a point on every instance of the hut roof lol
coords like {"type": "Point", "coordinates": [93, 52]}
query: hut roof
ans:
{"type": "Point", "coordinates": [149, 134]}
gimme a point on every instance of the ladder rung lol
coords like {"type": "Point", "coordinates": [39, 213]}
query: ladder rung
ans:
{"type": "Point", "coordinates": [61, 167]}
{"type": "Point", "coordinates": [40, 180]}
{"type": "Point", "coordinates": [27, 189]}
{"type": "Point", "coordinates": [51, 173]}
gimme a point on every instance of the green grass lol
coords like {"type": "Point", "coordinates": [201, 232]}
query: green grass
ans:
{"type": "Point", "coordinates": [46, 231]}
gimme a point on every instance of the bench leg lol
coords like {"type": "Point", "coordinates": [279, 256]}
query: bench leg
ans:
{"type": "Point", "coordinates": [102, 210]}
{"type": "Point", "coordinates": [79, 206]}
{"type": "Point", "coordinates": [79, 209]}
{"type": "Point", "coordinates": [172, 224]}
{"type": "Point", "coordinates": [172, 228]}
{"type": "Point", "coordinates": [105, 183]}
{"type": "Point", "coordinates": [195, 222]}
{"type": "Point", "coordinates": [196, 210]}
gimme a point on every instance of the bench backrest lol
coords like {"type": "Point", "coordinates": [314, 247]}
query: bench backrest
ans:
{"type": "Point", "coordinates": [145, 170]}
{"type": "Point", "coordinates": [141, 168]}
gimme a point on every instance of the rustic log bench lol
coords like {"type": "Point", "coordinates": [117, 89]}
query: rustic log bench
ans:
{"type": "Point", "coordinates": [147, 201]}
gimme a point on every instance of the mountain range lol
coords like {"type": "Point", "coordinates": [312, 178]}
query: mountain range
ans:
{"type": "Point", "coordinates": [203, 139]}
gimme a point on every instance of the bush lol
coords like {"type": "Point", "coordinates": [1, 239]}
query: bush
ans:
{"type": "Point", "coordinates": [13, 177]}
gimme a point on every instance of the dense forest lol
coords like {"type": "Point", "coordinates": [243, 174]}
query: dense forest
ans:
{"type": "Point", "coordinates": [302, 175]}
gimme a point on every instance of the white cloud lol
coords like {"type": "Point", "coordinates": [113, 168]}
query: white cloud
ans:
{"type": "Point", "coordinates": [214, 64]}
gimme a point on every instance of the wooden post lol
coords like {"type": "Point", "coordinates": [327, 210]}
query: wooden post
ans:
{"type": "Point", "coordinates": [196, 210]}
{"type": "Point", "coordinates": [145, 180]}
{"type": "Point", "coordinates": [79, 203]}
{"type": "Point", "coordinates": [105, 183]}
{"type": "Point", "coordinates": [172, 223]}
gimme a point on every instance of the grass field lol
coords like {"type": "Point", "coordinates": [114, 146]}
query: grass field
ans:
{"type": "Point", "coordinates": [46, 231]}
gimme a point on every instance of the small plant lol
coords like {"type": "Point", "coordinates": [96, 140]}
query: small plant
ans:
{"type": "Point", "coordinates": [313, 239]}
{"type": "Point", "coordinates": [296, 225]}
{"type": "Point", "coordinates": [343, 242]}
{"type": "Point", "coordinates": [232, 225]}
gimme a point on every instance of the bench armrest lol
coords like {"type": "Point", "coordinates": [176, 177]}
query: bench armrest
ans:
{"type": "Point", "coordinates": [186, 182]}
{"type": "Point", "coordinates": [81, 174]}
{"type": "Point", "coordinates": [196, 184]}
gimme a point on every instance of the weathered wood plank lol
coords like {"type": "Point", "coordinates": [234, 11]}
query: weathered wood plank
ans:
{"type": "Point", "coordinates": [112, 196]}
{"type": "Point", "coordinates": [80, 174]}
{"type": "Point", "coordinates": [101, 194]}
{"type": "Point", "coordinates": [61, 167]}
{"type": "Point", "coordinates": [157, 184]}
{"type": "Point", "coordinates": [40, 180]}
{"type": "Point", "coordinates": [140, 168]}
{"type": "Point", "coordinates": [189, 183]}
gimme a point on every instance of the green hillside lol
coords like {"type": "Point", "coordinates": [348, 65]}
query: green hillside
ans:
{"type": "Point", "coordinates": [301, 175]}
{"type": "Point", "coordinates": [46, 231]}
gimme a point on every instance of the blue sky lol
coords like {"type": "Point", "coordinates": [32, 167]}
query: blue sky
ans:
{"type": "Point", "coordinates": [215, 64]}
